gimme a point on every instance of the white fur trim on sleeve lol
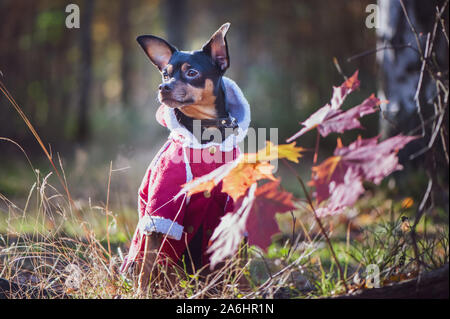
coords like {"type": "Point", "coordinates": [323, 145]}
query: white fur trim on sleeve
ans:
{"type": "Point", "coordinates": [155, 224]}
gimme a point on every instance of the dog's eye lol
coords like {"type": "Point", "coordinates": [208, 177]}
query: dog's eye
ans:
{"type": "Point", "coordinates": [191, 73]}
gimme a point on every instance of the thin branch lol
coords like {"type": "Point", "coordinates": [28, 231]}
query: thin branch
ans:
{"type": "Point", "coordinates": [419, 47]}
{"type": "Point", "coordinates": [107, 210]}
{"type": "Point", "coordinates": [419, 87]}
{"type": "Point", "coordinates": [432, 139]}
{"type": "Point", "coordinates": [338, 67]}
{"type": "Point", "coordinates": [441, 21]}
{"type": "Point", "coordinates": [386, 47]}
{"type": "Point", "coordinates": [322, 229]}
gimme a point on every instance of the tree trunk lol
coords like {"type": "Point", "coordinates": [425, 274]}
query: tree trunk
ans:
{"type": "Point", "coordinates": [175, 17]}
{"type": "Point", "coordinates": [400, 64]}
{"type": "Point", "coordinates": [125, 44]}
{"type": "Point", "coordinates": [87, 11]}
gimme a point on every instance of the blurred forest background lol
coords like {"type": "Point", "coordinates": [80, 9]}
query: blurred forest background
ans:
{"type": "Point", "coordinates": [91, 92]}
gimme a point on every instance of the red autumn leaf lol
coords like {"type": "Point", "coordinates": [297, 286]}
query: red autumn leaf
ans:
{"type": "Point", "coordinates": [255, 214]}
{"type": "Point", "coordinates": [341, 121]}
{"type": "Point", "coordinates": [341, 92]}
{"type": "Point", "coordinates": [330, 110]}
{"type": "Point", "coordinates": [262, 224]}
{"type": "Point", "coordinates": [229, 233]}
{"type": "Point", "coordinates": [339, 178]}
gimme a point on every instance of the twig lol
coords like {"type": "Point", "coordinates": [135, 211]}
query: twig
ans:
{"type": "Point", "coordinates": [35, 134]}
{"type": "Point", "coordinates": [432, 139]}
{"type": "Point", "coordinates": [421, 207]}
{"type": "Point", "coordinates": [413, 29]}
{"type": "Point", "coordinates": [322, 229]}
{"type": "Point", "coordinates": [338, 67]}
{"type": "Point", "coordinates": [427, 121]}
{"type": "Point", "coordinates": [386, 47]}
{"type": "Point", "coordinates": [419, 86]}
{"type": "Point", "coordinates": [107, 210]}
{"type": "Point", "coordinates": [269, 281]}
{"type": "Point", "coordinates": [293, 233]}
{"type": "Point", "coordinates": [419, 214]}
{"type": "Point", "coordinates": [442, 22]}
{"type": "Point", "coordinates": [316, 150]}
{"type": "Point", "coordinates": [30, 126]}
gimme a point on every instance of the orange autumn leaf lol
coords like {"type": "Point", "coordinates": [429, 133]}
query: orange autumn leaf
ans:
{"type": "Point", "coordinates": [239, 175]}
{"type": "Point", "coordinates": [352, 81]}
{"type": "Point", "coordinates": [244, 175]}
{"type": "Point", "coordinates": [325, 170]}
{"type": "Point", "coordinates": [407, 203]}
{"type": "Point", "coordinates": [206, 186]}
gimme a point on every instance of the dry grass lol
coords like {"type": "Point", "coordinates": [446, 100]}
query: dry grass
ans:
{"type": "Point", "coordinates": [53, 246]}
{"type": "Point", "coordinates": [49, 251]}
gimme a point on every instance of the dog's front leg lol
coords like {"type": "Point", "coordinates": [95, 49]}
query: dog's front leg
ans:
{"type": "Point", "coordinates": [152, 244]}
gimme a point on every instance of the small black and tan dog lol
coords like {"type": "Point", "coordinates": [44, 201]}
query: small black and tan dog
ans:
{"type": "Point", "coordinates": [196, 98]}
{"type": "Point", "coordinates": [192, 81]}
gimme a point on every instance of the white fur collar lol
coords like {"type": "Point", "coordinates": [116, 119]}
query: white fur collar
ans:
{"type": "Point", "coordinates": [238, 108]}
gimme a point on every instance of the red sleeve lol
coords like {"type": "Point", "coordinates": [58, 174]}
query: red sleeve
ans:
{"type": "Point", "coordinates": [158, 210]}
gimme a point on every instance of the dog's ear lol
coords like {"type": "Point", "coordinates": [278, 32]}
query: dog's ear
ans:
{"type": "Point", "coordinates": [217, 48]}
{"type": "Point", "coordinates": [158, 50]}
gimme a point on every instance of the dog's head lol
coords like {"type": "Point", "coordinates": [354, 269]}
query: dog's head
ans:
{"type": "Point", "coordinates": [189, 78]}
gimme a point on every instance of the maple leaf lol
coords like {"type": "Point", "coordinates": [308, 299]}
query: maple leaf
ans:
{"type": "Point", "coordinates": [330, 118]}
{"type": "Point", "coordinates": [229, 233]}
{"type": "Point", "coordinates": [341, 92]}
{"type": "Point", "coordinates": [339, 178]}
{"type": "Point", "coordinates": [255, 214]}
{"type": "Point", "coordinates": [209, 181]}
{"type": "Point", "coordinates": [271, 152]}
{"type": "Point", "coordinates": [244, 175]}
{"type": "Point", "coordinates": [330, 109]}
{"type": "Point", "coordinates": [262, 224]}
{"type": "Point", "coordinates": [340, 121]}
{"type": "Point", "coordinates": [239, 175]}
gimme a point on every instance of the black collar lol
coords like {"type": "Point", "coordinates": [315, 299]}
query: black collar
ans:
{"type": "Point", "coordinates": [220, 123]}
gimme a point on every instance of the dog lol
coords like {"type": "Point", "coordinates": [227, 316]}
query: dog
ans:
{"type": "Point", "coordinates": [207, 116]}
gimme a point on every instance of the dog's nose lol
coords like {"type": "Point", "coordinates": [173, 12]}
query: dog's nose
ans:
{"type": "Point", "coordinates": [165, 87]}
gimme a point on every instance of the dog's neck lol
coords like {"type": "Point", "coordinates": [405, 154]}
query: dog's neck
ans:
{"type": "Point", "coordinates": [210, 116]}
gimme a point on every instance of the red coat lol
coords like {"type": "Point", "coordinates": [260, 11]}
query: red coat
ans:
{"type": "Point", "coordinates": [180, 160]}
